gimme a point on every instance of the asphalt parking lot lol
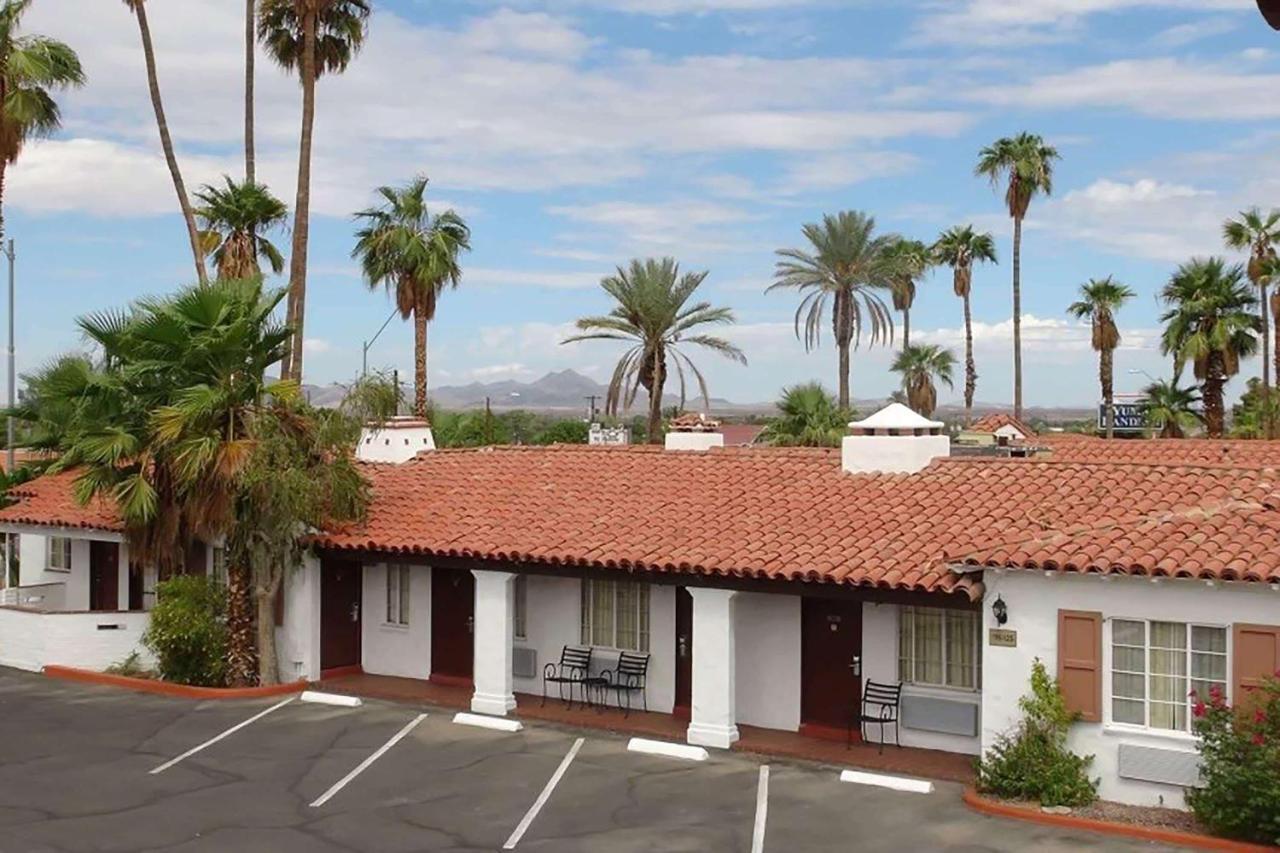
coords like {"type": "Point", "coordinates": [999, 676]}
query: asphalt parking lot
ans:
{"type": "Point", "coordinates": [93, 769]}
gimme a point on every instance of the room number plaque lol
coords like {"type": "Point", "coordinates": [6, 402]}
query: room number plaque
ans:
{"type": "Point", "coordinates": [1002, 637]}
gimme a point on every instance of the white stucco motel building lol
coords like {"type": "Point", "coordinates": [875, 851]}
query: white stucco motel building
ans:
{"type": "Point", "coordinates": [767, 586]}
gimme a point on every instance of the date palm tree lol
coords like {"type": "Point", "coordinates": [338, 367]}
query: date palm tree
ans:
{"type": "Point", "coordinates": [960, 248]}
{"type": "Point", "coordinates": [910, 259]}
{"type": "Point", "coordinates": [847, 267]}
{"type": "Point", "coordinates": [651, 312]}
{"type": "Point", "coordinates": [1099, 301]}
{"type": "Point", "coordinates": [139, 9]}
{"type": "Point", "coordinates": [312, 37]}
{"type": "Point", "coordinates": [414, 255]}
{"type": "Point", "coordinates": [1172, 407]}
{"type": "Point", "coordinates": [1211, 324]}
{"type": "Point", "coordinates": [807, 417]}
{"type": "Point", "coordinates": [32, 67]}
{"type": "Point", "coordinates": [1024, 165]}
{"type": "Point", "coordinates": [234, 217]}
{"type": "Point", "coordinates": [920, 365]}
{"type": "Point", "coordinates": [1256, 233]}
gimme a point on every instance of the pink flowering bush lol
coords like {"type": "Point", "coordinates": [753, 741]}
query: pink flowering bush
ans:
{"type": "Point", "coordinates": [1240, 764]}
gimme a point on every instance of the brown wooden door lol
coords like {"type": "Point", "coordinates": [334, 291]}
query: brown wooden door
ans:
{"type": "Point", "coordinates": [340, 618]}
{"type": "Point", "coordinates": [831, 636]}
{"type": "Point", "coordinates": [453, 599]}
{"type": "Point", "coordinates": [684, 654]}
{"type": "Point", "coordinates": [104, 576]}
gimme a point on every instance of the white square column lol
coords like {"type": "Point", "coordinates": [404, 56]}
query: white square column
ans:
{"type": "Point", "coordinates": [713, 720]}
{"type": "Point", "coordinates": [493, 640]}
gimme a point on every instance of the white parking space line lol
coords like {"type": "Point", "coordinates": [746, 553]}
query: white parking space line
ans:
{"type": "Point", "coordinates": [364, 765]}
{"type": "Point", "coordinates": [211, 741]}
{"type": "Point", "coordinates": [762, 810]}
{"type": "Point", "coordinates": [543, 797]}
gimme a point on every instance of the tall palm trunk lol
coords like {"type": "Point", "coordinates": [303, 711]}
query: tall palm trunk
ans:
{"type": "Point", "coordinates": [264, 597]}
{"type": "Point", "coordinates": [1105, 378]}
{"type": "Point", "coordinates": [842, 320]}
{"type": "Point", "coordinates": [166, 142]}
{"type": "Point", "coordinates": [970, 369]}
{"type": "Point", "coordinates": [249, 48]}
{"type": "Point", "coordinates": [1017, 317]}
{"type": "Point", "coordinates": [292, 366]}
{"type": "Point", "coordinates": [1268, 419]}
{"type": "Point", "coordinates": [420, 362]}
{"type": "Point", "coordinates": [1214, 379]}
{"type": "Point", "coordinates": [655, 398]}
{"type": "Point", "coordinates": [1274, 302]}
{"type": "Point", "coordinates": [906, 328]}
{"type": "Point", "coordinates": [242, 658]}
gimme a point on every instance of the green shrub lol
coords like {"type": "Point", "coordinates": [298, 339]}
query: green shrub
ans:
{"type": "Point", "coordinates": [131, 666]}
{"type": "Point", "coordinates": [1240, 764]}
{"type": "Point", "coordinates": [188, 633]}
{"type": "Point", "coordinates": [1032, 762]}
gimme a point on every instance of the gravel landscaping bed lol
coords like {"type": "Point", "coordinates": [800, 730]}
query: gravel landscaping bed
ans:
{"type": "Point", "coordinates": [1151, 816]}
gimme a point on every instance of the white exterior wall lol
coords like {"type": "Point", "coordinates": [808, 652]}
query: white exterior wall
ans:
{"type": "Point", "coordinates": [1033, 600]}
{"type": "Point", "coordinates": [298, 639]}
{"type": "Point", "coordinates": [880, 663]}
{"type": "Point", "coordinates": [33, 552]}
{"type": "Point", "coordinates": [30, 640]}
{"type": "Point", "coordinates": [891, 454]}
{"type": "Point", "coordinates": [388, 649]}
{"type": "Point", "coordinates": [767, 629]}
{"type": "Point", "coordinates": [397, 443]}
{"type": "Point", "coordinates": [693, 440]}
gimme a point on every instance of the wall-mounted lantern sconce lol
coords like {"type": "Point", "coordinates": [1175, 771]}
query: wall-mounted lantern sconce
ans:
{"type": "Point", "coordinates": [1000, 610]}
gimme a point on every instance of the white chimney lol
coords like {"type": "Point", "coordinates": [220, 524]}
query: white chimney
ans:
{"type": "Point", "coordinates": [397, 440]}
{"type": "Point", "coordinates": [895, 440]}
{"type": "Point", "coordinates": [694, 432]}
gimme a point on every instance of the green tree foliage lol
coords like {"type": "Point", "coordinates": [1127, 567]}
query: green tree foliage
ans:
{"type": "Point", "coordinates": [1099, 301]}
{"type": "Point", "coordinates": [1251, 417]}
{"type": "Point", "coordinates": [960, 248]}
{"type": "Point", "coordinates": [1171, 409]}
{"type": "Point", "coordinates": [920, 366]}
{"type": "Point", "coordinates": [187, 632]}
{"type": "Point", "coordinates": [807, 416]}
{"type": "Point", "coordinates": [373, 398]}
{"type": "Point", "coordinates": [235, 217]}
{"type": "Point", "coordinates": [564, 432]}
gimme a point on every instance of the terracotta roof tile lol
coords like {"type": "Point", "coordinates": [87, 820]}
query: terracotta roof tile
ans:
{"type": "Point", "coordinates": [1072, 447]}
{"type": "Point", "coordinates": [995, 420]}
{"type": "Point", "coordinates": [50, 500]}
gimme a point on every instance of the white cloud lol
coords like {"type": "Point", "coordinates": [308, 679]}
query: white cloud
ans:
{"type": "Point", "coordinates": [316, 345]}
{"type": "Point", "coordinates": [492, 277]}
{"type": "Point", "coordinates": [1180, 35]}
{"type": "Point", "coordinates": [490, 372]}
{"type": "Point", "coordinates": [668, 227]}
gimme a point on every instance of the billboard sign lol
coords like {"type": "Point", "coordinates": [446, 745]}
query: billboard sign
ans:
{"type": "Point", "coordinates": [1131, 415]}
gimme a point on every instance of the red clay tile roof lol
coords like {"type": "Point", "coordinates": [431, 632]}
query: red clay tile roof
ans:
{"type": "Point", "coordinates": [694, 422]}
{"type": "Point", "coordinates": [1070, 447]}
{"type": "Point", "coordinates": [50, 500]}
{"type": "Point", "coordinates": [740, 434]}
{"type": "Point", "coordinates": [993, 422]}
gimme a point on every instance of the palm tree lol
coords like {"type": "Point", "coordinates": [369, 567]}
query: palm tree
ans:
{"type": "Point", "coordinates": [1099, 300]}
{"type": "Point", "coordinates": [31, 68]}
{"type": "Point", "coordinates": [1171, 407]}
{"type": "Point", "coordinates": [1025, 164]}
{"type": "Point", "coordinates": [1255, 233]}
{"type": "Point", "coordinates": [807, 417]}
{"type": "Point", "coordinates": [960, 248]}
{"type": "Point", "coordinates": [846, 264]}
{"type": "Point", "coordinates": [250, 48]}
{"type": "Point", "coordinates": [234, 218]}
{"type": "Point", "coordinates": [1210, 323]}
{"type": "Point", "coordinates": [911, 259]}
{"type": "Point", "coordinates": [650, 312]}
{"type": "Point", "coordinates": [414, 255]}
{"type": "Point", "coordinates": [139, 9]}
{"type": "Point", "coordinates": [919, 366]}
{"type": "Point", "coordinates": [313, 37]}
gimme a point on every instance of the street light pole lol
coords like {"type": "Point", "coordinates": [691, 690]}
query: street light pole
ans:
{"type": "Point", "coordinates": [364, 358]}
{"type": "Point", "coordinates": [9, 455]}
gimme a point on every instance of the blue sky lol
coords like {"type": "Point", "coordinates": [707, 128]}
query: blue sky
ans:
{"type": "Point", "coordinates": [575, 134]}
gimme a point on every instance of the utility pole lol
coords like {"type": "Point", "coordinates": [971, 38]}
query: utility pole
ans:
{"type": "Point", "coordinates": [9, 455]}
{"type": "Point", "coordinates": [488, 423]}
{"type": "Point", "coordinates": [364, 358]}
{"type": "Point", "coordinates": [591, 410]}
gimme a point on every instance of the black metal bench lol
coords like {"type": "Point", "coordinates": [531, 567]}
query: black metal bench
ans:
{"type": "Point", "coordinates": [574, 668]}
{"type": "Point", "coordinates": [880, 704]}
{"type": "Point", "coordinates": [628, 677]}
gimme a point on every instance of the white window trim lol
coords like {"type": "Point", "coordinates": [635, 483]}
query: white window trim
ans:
{"type": "Point", "coordinates": [1110, 725]}
{"type": "Point", "coordinates": [49, 554]}
{"type": "Point", "coordinates": [924, 688]}
{"type": "Point", "coordinates": [388, 621]}
{"type": "Point", "coordinates": [612, 647]}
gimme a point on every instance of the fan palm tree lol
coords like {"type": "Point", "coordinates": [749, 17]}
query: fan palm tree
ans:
{"type": "Point", "coordinates": [1099, 301]}
{"type": "Point", "coordinates": [960, 248]}
{"type": "Point", "coordinates": [1171, 407]}
{"type": "Point", "coordinates": [920, 365]}
{"type": "Point", "coordinates": [651, 313]}
{"type": "Point", "coordinates": [139, 9]}
{"type": "Point", "coordinates": [910, 259]}
{"type": "Point", "coordinates": [1211, 324]}
{"type": "Point", "coordinates": [32, 67]}
{"type": "Point", "coordinates": [1256, 233]}
{"type": "Point", "coordinates": [414, 255]}
{"type": "Point", "coordinates": [1024, 164]}
{"type": "Point", "coordinates": [234, 218]}
{"type": "Point", "coordinates": [313, 37]}
{"type": "Point", "coordinates": [847, 266]}
{"type": "Point", "coordinates": [807, 417]}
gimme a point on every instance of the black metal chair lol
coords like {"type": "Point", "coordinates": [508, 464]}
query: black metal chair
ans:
{"type": "Point", "coordinates": [574, 668]}
{"type": "Point", "coordinates": [880, 706]}
{"type": "Point", "coordinates": [628, 677]}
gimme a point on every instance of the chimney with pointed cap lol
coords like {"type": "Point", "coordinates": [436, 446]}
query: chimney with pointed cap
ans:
{"type": "Point", "coordinates": [397, 440]}
{"type": "Point", "coordinates": [895, 440]}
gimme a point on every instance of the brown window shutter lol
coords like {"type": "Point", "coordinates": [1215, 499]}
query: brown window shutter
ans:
{"type": "Point", "coordinates": [1257, 654]}
{"type": "Point", "coordinates": [1080, 662]}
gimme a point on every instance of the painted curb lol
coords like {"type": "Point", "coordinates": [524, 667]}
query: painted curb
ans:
{"type": "Point", "coordinates": [981, 804]}
{"type": "Point", "coordinates": [667, 750]}
{"type": "Point", "coordinates": [880, 780]}
{"type": "Point", "coordinates": [482, 721]}
{"type": "Point", "coordinates": [342, 701]}
{"type": "Point", "coordinates": [165, 688]}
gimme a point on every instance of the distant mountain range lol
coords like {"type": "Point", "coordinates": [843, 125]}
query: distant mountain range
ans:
{"type": "Point", "coordinates": [567, 391]}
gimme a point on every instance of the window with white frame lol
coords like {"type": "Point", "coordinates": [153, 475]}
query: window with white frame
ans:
{"type": "Point", "coordinates": [59, 554]}
{"type": "Point", "coordinates": [218, 570]}
{"type": "Point", "coordinates": [939, 647]}
{"type": "Point", "coordinates": [520, 607]}
{"type": "Point", "coordinates": [615, 614]}
{"type": "Point", "coordinates": [1155, 666]}
{"type": "Point", "coordinates": [397, 594]}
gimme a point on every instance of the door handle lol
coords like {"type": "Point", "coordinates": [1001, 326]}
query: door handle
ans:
{"type": "Point", "coordinates": [471, 624]}
{"type": "Point", "coordinates": [682, 646]}
{"type": "Point", "coordinates": [355, 612]}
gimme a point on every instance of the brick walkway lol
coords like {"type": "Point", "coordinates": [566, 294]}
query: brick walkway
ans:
{"type": "Point", "coordinates": [927, 763]}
